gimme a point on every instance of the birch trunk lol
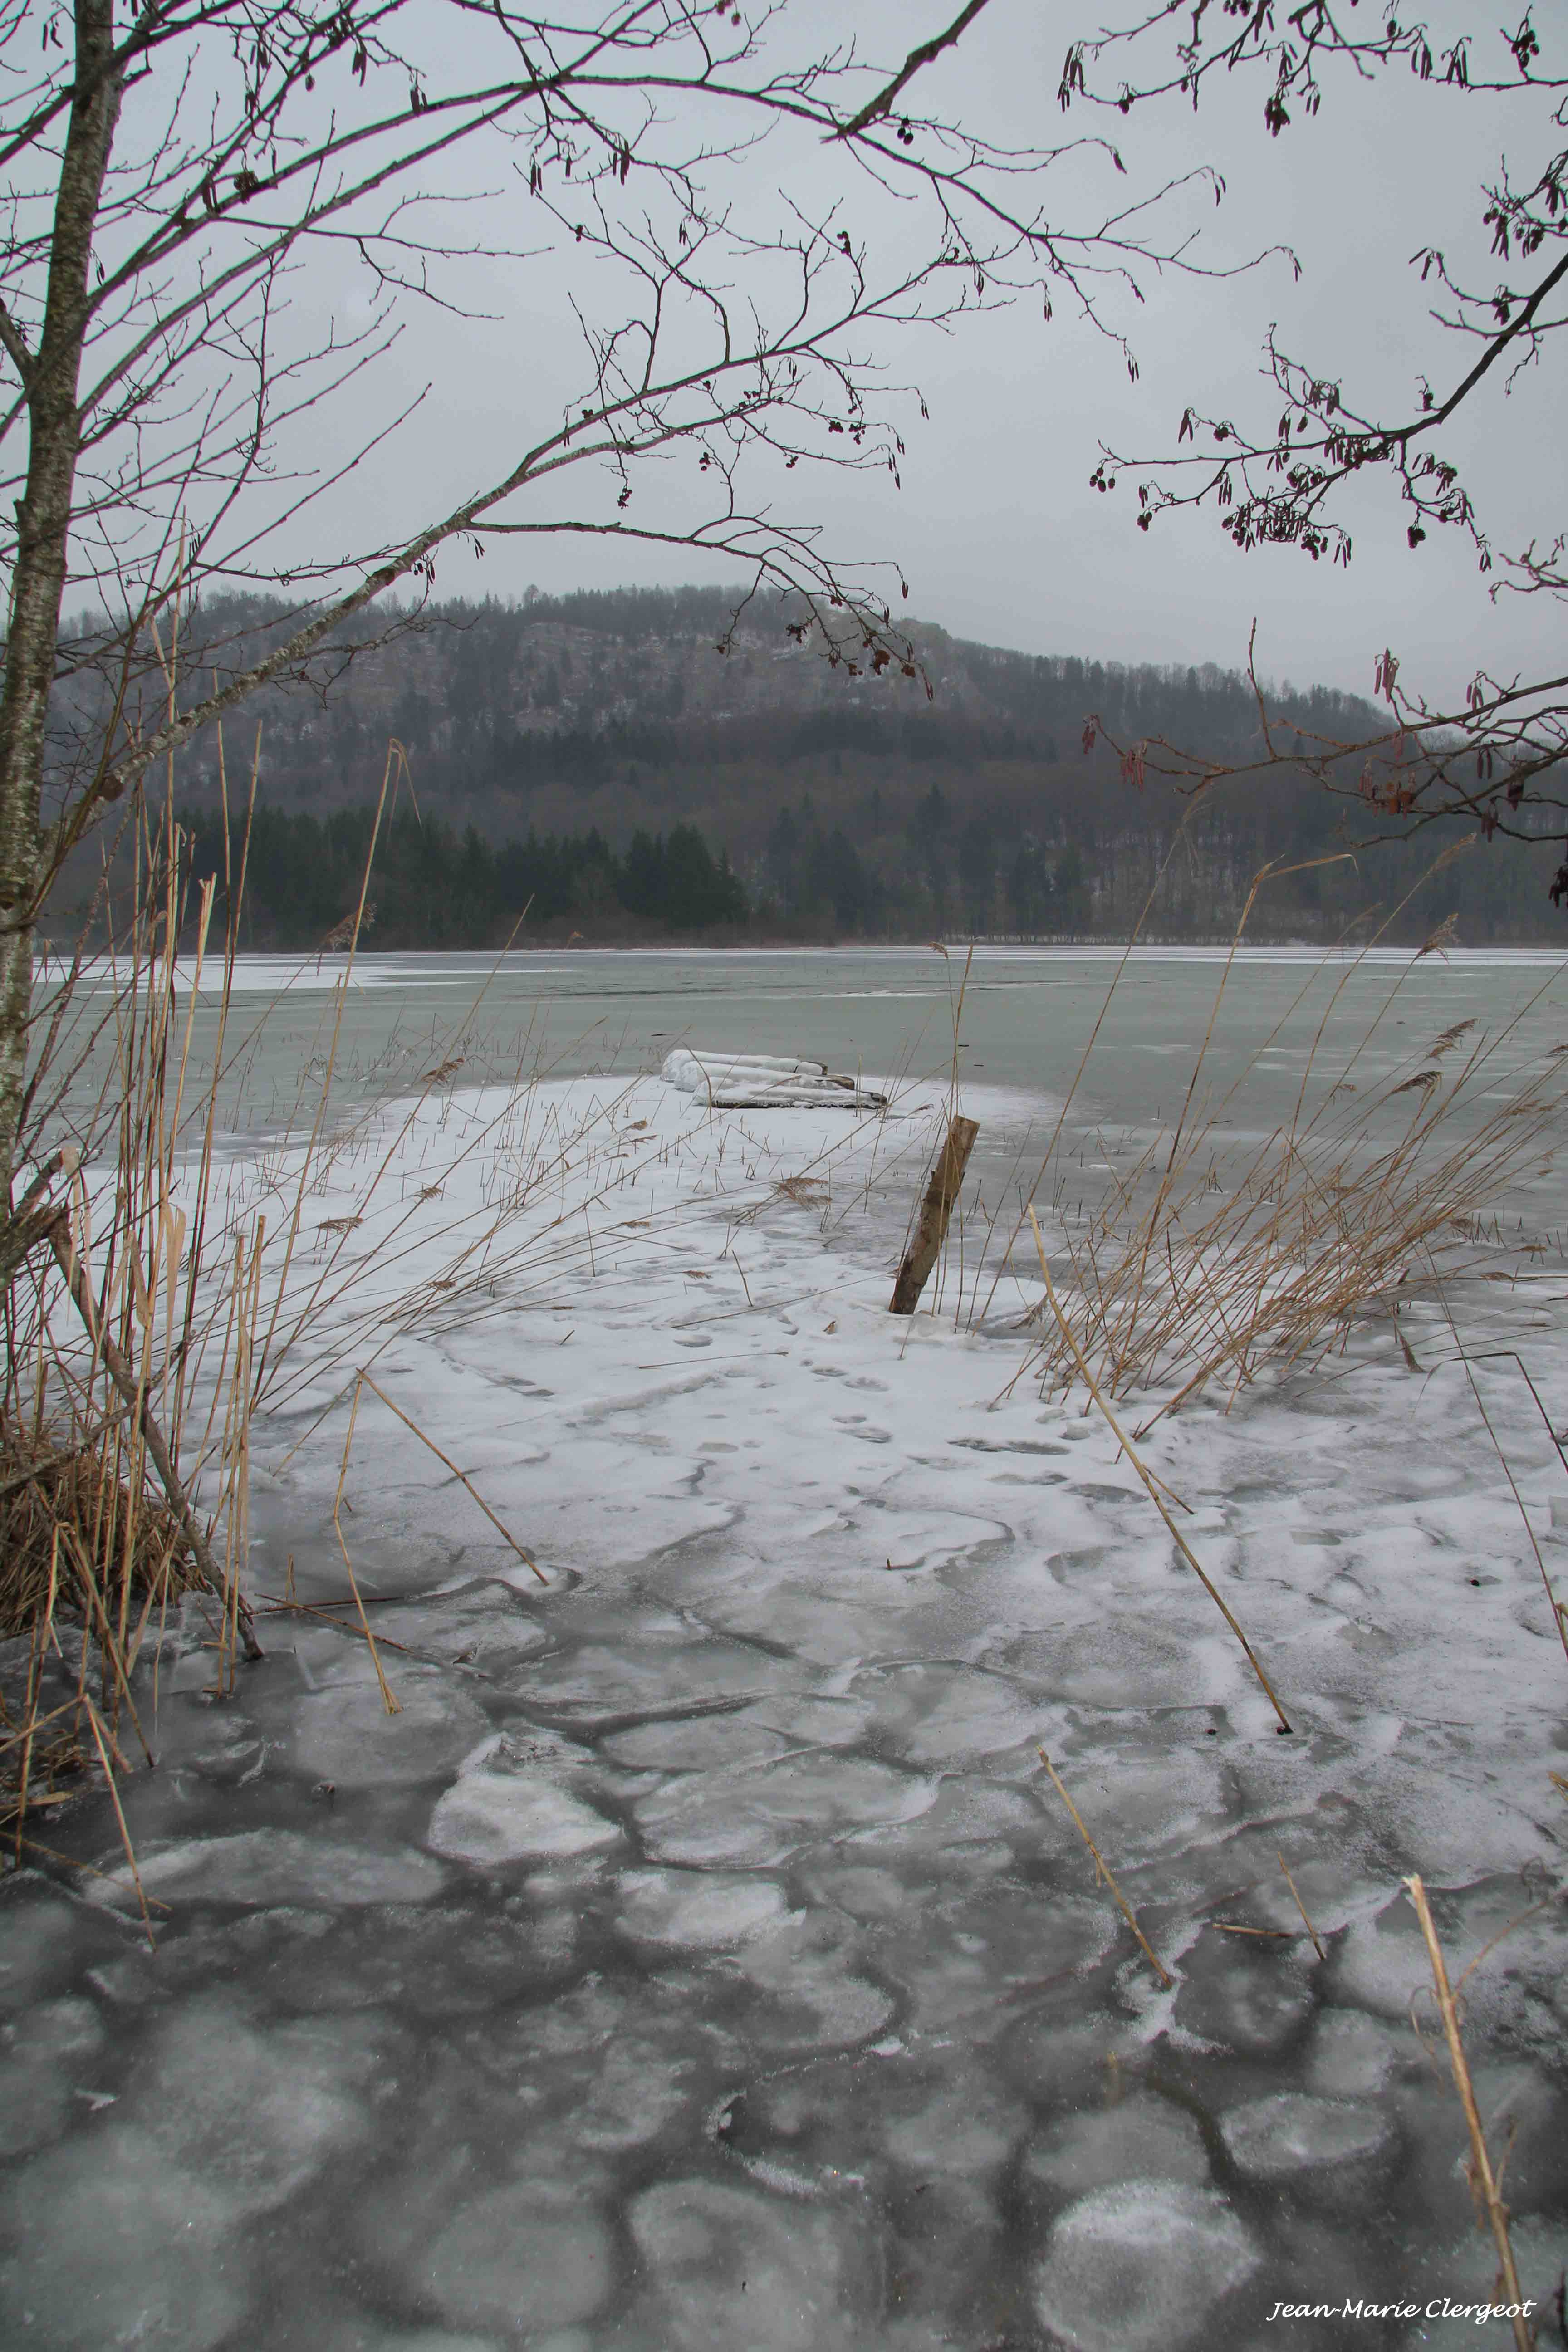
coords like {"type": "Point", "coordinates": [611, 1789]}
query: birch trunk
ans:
{"type": "Point", "coordinates": [50, 392]}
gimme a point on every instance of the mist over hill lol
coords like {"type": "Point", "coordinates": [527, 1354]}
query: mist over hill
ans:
{"type": "Point", "coordinates": [567, 752]}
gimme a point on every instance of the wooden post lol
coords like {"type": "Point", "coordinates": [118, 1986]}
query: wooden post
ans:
{"type": "Point", "coordinates": [931, 1228]}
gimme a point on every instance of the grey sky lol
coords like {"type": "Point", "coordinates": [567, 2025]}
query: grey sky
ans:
{"type": "Point", "coordinates": [997, 530]}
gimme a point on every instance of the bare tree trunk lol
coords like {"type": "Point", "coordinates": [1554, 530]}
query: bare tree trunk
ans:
{"type": "Point", "coordinates": [930, 1231]}
{"type": "Point", "coordinates": [50, 378]}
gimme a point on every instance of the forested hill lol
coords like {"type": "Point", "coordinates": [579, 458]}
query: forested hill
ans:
{"type": "Point", "coordinates": [844, 804]}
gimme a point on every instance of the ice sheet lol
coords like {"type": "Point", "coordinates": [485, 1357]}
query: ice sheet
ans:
{"type": "Point", "coordinates": [701, 1955]}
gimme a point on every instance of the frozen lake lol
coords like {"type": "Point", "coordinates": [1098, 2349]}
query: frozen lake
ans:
{"type": "Point", "coordinates": [701, 1956]}
{"type": "Point", "coordinates": [1028, 1011]}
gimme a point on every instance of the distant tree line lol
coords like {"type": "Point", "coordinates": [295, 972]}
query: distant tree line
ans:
{"type": "Point", "coordinates": [926, 869]}
{"type": "Point", "coordinates": [433, 887]}
{"type": "Point", "coordinates": [966, 876]}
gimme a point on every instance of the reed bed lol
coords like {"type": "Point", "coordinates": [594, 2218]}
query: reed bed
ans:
{"type": "Point", "coordinates": [112, 1391]}
{"type": "Point", "coordinates": [165, 1291]}
{"type": "Point", "coordinates": [1208, 1260]}
{"type": "Point", "coordinates": [66, 1513]}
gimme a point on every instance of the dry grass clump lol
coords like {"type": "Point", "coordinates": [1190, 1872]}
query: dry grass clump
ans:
{"type": "Point", "coordinates": [129, 1317]}
{"type": "Point", "coordinates": [69, 1516]}
{"type": "Point", "coordinates": [165, 1293]}
{"type": "Point", "coordinates": [805, 1192]}
{"type": "Point", "coordinates": [90, 1557]}
{"type": "Point", "coordinates": [33, 1763]}
{"type": "Point", "coordinates": [1208, 1259]}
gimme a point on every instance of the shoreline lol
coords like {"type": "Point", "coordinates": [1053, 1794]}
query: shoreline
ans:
{"type": "Point", "coordinates": [306, 968]}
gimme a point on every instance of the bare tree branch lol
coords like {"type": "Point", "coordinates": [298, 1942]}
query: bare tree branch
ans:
{"type": "Point", "coordinates": [918, 60]}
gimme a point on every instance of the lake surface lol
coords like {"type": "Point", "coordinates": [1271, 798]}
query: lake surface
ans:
{"type": "Point", "coordinates": [1027, 1015]}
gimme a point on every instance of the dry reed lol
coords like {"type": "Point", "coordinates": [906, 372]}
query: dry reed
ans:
{"type": "Point", "coordinates": [1150, 1484]}
{"type": "Point", "coordinates": [146, 1314]}
{"type": "Point", "coordinates": [1484, 2182]}
{"type": "Point", "coordinates": [104, 1327]}
{"type": "Point", "coordinates": [1103, 1873]}
{"type": "Point", "coordinates": [121, 1536]}
{"type": "Point", "coordinates": [1207, 1261]}
{"type": "Point", "coordinates": [1306, 1916]}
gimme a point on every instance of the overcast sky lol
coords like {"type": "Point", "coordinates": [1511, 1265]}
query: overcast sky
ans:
{"type": "Point", "coordinates": [996, 529]}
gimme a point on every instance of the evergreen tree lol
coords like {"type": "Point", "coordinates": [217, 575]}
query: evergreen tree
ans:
{"type": "Point", "coordinates": [977, 869]}
{"type": "Point", "coordinates": [782, 860]}
{"type": "Point", "coordinates": [1070, 890]}
{"type": "Point", "coordinates": [644, 885]}
{"type": "Point", "coordinates": [1029, 884]}
{"type": "Point", "coordinates": [932, 822]}
{"type": "Point", "coordinates": [698, 892]}
{"type": "Point", "coordinates": [838, 877]}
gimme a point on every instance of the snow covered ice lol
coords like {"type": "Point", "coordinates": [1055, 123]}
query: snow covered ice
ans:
{"type": "Point", "coordinates": [764, 1081]}
{"type": "Point", "coordinates": [1141, 2265]}
{"type": "Point", "coordinates": [700, 1957]}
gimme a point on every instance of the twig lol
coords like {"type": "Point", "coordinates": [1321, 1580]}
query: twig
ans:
{"type": "Point", "coordinates": [74, 1861]}
{"type": "Point", "coordinates": [1483, 2182]}
{"type": "Point", "coordinates": [308, 1609]}
{"type": "Point", "coordinates": [35, 1668]}
{"type": "Point", "coordinates": [1180, 1540]}
{"type": "Point", "coordinates": [1301, 1908]}
{"type": "Point", "coordinates": [18, 1479]}
{"type": "Point", "coordinates": [388, 1699]}
{"type": "Point", "coordinates": [34, 1725]}
{"type": "Point", "coordinates": [1492, 1942]}
{"type": "Point", "coordinates": [1559, 1611]}
{"type": "Point", "coordinates": [1101, 1871]}
{"type": "Point", "coordinates": [106, 1638]}
{"type": "Point", "coordinates": [526, 1558]}
{"type": "Point", "coordinates": [120, 1817]}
